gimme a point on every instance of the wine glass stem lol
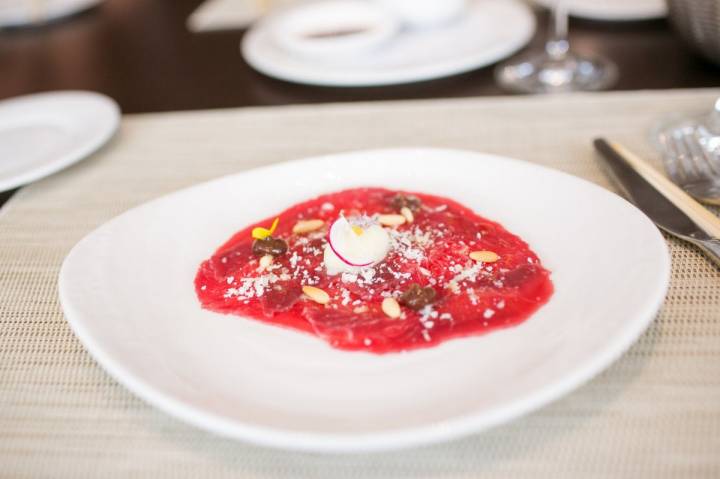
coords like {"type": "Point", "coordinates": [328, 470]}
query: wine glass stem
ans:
{"type": "Point", "coordinates": [715, 118]}
{"type": "Point", "coordinates": [557, 45]}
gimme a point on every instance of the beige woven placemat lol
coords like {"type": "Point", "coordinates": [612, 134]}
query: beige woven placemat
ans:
{"type": "Point", "coordinates": [654, 414]}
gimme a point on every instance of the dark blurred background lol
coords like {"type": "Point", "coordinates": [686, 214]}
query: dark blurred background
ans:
{"type": "Point", "coordinates": [140, 53]}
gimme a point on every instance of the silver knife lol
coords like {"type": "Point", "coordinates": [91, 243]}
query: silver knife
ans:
{"type": "Point", "coordinates": [654, 204]}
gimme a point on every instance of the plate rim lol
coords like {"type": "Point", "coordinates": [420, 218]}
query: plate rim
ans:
{"type": "Point", "coordinates": [432, 433]}
{"type": "Point", "coordinates": [61, 11]}
{"type": "Point", "coordinates": [77, 153]}
{"type": "Point", "coordinates": [454, 67]}
{"type": "Point", "coordinates": [597, 14]}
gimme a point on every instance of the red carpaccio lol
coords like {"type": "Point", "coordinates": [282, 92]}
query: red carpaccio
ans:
{"type": "Point", "coordinates": [433, 250]}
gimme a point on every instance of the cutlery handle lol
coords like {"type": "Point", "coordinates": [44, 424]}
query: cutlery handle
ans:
{"type": "Point", "coordinates": [711, 247]}
{"type": "Point", "coordinates": [698, 213]}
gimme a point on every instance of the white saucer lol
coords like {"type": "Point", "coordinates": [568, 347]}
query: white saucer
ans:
{"type": "Point", "coordinates": [489, 31]}
{"type": "Point", "coordinates": [17, 13]}
{"type": "Point", "coordinates": [128, 293]}
{"type": "Point", "coordinates": [613, 10]}
{"type": "Point", "coordinates": [44, 133]}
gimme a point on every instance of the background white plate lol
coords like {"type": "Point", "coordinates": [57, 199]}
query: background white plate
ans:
{"type": "Point", "coordinates": [127, 291]}
{"type": "Point", "coordinates": [488, 32]}
{"type": "Point", "coordinates": [15, 13]}
{"type": "Point", "coordinates": [44, 133]}
{"type": "Point", "coordinates": [613, 10]}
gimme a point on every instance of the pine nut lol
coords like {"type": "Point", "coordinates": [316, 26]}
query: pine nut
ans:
{"type": "Point", "coordinates": [408, 214]}
{"type": "Point", "coordinates": [391, 220]}
{"type": "Point", "coordinates": [306, 226]}
{"type": "Point", "coordinates": [316, 294]}
{"type": "Point", "coordinates": [484, 256]}
{"type": "Point", "coordinates": [391, 308]}
{"type": "Point", "coordinates": [265, 261]}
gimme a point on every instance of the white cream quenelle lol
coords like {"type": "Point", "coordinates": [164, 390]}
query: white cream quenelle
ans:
{"type": "Point", "coordinates": [354, 244]}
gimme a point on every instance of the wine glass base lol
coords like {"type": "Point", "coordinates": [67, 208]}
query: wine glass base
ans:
{"type": "Point", "coordinates": [542, 73]}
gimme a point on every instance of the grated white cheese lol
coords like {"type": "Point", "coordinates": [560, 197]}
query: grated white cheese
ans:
{"type": "Point", "coordinates": [468, 273]}
{"type": "Point", "coordinates": [423, 239]}
{"type": "Point", "coordinates": [426, 313]}
{"type": "Point", "coordinates": [368, 274]}
{"type": "Point", "coordinates": [294, 259]}
{"type": "Point", "coordinates": [345, 295]}
{"type": "Point", "coordinates": [251, 287]}
{"type": "Point", "coordinates": [398, 275]}
{"type": "Point", "coordinates": [473, 297]}
{"type": "Point", "coordinates": [404, 243]}
{"type": "Point", "coordinates": [348, 278]}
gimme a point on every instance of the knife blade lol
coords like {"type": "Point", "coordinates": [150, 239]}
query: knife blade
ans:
{"type": "Point", "coordinates": [661, 210]}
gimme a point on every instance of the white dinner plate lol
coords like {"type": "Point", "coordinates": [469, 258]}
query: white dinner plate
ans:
{"type": "Point", "coordinates": [44, 133]}
{"type": "Point", "coordinates": [488, 32]}
{"type": "Point", "coordinates": [613, 10]}
{"type": "Point", "coordinates": [127, 292]}
{"type": "Point", "coordinates": [16, 13]}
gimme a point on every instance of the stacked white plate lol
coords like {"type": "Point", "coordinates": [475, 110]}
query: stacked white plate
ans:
{"type": "Point", "coordinates": [485, 32]}
{"type": "Point", "coordinates": [17, 13]}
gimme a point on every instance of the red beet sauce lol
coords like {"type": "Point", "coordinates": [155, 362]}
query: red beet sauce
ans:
{"type": "Point", "coordinates": [471, 298]}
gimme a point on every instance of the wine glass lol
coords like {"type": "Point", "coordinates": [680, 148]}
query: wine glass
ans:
{"type": "Point", "coordinates": [557, 68]}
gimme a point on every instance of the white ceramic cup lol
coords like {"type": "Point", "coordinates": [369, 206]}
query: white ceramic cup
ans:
{"type": "Point", "coordinates": [424, 13]}
{"type": "Point", "coordinates": [333, 28]}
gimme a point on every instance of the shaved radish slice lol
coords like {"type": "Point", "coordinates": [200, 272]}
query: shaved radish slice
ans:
{"type": "Point", "coordinates": [341, 237]}
{"type": "Point", "coordinates": [357, 250]}
{"type": "Point", "coordinates": [344, 259]}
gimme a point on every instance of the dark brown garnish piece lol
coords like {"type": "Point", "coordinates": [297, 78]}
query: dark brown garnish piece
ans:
{"type": "Point", "coordinates": [269, 245]}
{"type": "Point", "coordinates": [401, 201]}
{"type": "Point", "coordinates": [417, 297]}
